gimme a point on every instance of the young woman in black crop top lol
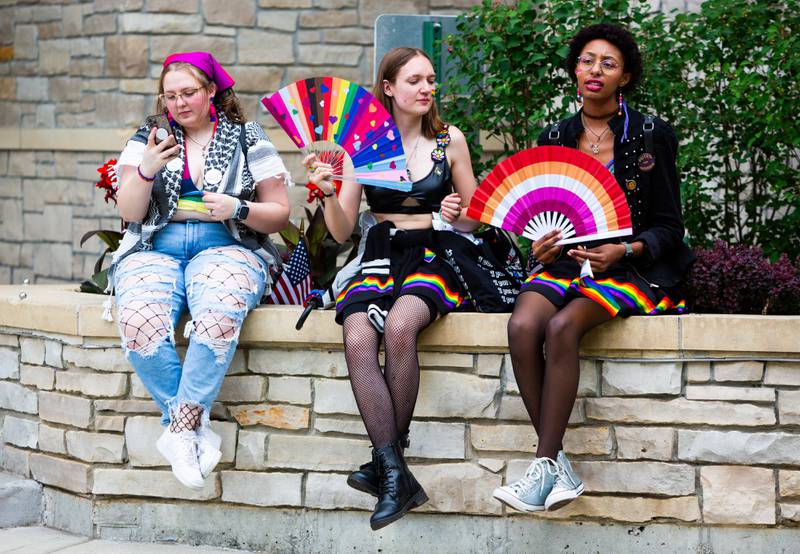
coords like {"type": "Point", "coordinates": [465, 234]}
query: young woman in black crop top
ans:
{"type": "Point", "coordinates": [557, 306]}
{"type": "Point", "coordinates": [403, 283]}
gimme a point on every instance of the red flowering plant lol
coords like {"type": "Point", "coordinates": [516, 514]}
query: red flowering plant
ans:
{"type": "Point", "coordinates": [109, 185]}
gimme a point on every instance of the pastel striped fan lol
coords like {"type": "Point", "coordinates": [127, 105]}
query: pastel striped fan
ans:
{"type": "Point", "coordinates": [553, 187]}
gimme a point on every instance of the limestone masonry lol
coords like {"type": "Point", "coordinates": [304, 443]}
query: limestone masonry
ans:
{"type": "Point", "coordinates": [690, 420]}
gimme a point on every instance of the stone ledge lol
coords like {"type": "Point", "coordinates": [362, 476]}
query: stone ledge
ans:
{"type": "Point", "coordinates": [60, 309]}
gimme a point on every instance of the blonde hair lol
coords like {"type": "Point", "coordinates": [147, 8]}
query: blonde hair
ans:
{"type": "Point", "coordinates": [225, 101]}
{"type": "Point", "coordinates": [390, 66]}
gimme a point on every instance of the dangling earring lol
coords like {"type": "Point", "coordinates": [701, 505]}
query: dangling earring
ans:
{"type": "Point", "coordinates": [212, 111]}
{"type": "Point", "coordinates": [579, 97]}
{"type": "Point", "coordinates": [620, 103]}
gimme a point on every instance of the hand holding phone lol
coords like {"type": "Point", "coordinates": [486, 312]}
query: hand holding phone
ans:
{"type": "Point", "coordinates": [161, 123]}
{"type": "Point", "coordinates": [158, 151]}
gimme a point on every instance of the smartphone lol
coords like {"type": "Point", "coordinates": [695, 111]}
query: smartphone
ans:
{"type": "Point", "coordinates": [161, 123]}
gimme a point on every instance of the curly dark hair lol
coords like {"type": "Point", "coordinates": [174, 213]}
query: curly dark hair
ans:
{"type": "Point", "coordinates": [616, 35]}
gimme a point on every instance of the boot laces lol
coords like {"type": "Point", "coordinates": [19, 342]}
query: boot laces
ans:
{"type": "Point", "coordinates": [389, 479]}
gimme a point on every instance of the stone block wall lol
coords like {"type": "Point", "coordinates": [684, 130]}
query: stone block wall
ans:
{"type": "Point", "coordinates": [687, 421]}
{"type": "Point", "coordinates": [68, 70]}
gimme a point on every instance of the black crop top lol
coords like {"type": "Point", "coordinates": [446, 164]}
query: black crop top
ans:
{"type": "Point", "coordinates": [425, 196]}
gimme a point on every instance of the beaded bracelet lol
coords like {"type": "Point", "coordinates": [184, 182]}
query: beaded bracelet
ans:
{"type": "Point", "coordinates": [142, 175]}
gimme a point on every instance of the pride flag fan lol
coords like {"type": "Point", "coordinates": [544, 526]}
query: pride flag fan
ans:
{"type": "Point", "coordinates": [341, 112]}
{"type": "Point", "coordinates": [553, 187]}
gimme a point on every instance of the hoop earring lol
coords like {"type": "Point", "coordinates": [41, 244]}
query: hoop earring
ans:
{"type": "Point", "coordinates": [212, 111]}
{"type": "Point", "coordinates": [619, 112]}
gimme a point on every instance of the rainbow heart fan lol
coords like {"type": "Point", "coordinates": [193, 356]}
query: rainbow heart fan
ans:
{"type": "Point", "coordinates": [341, 113]}
{"type": "Point", "coordinates": [553, 187]}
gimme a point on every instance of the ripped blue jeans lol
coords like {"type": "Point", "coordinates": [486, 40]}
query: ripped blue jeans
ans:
{"type": "Point", "coordinates": [194, 265]}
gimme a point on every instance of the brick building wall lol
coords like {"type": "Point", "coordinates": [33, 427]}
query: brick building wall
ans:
{"type": "Point", "coordinates": [77, 76]}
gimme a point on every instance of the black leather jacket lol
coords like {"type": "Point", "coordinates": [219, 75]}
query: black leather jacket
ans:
{"type": "Point", "coordinates": [653, 196]}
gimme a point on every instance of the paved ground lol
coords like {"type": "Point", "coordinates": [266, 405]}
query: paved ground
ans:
{"type": "Point", "coordinates": [41, 540]}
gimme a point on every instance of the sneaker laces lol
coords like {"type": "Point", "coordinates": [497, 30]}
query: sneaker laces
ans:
{"type": "Point", "coordinates": [188, 447]}
{"type": "Point", "coordinates": [534, 473]}
{"type": "Point", "coordinates": [561, 477]}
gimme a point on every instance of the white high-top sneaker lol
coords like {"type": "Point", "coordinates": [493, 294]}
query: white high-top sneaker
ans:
{"type": "Point", "coordinates": [180, 450]}
{"type": "Point", "coordinates": [208, 448]}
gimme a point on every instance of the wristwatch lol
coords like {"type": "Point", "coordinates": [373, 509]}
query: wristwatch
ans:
{"type": "Point", "coordinates": [628, 249]}
{"type": "Point", "coordinates": [242, 213]}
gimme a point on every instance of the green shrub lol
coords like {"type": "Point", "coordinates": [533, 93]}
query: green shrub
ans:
{"type": "Point", "coordinates": [726, 78]}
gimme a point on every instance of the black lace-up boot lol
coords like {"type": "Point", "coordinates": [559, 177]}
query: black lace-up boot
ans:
{"type": "Point", "coordinates": [365, 478]}
{"type": "Point", "coordinates": [398, 491]}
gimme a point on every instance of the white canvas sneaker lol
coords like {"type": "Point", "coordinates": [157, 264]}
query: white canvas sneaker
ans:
{"type": "Point", "coordinates": [208, 449]}
{"type": "Point", "coordinates": [180, 450]}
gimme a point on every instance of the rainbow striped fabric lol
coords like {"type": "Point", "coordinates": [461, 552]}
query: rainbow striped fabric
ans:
{"type": "Point", "coordinates": [449, 298]}
{"type": "Point", "coordinates": [193, 203]}
{"type": "Point", "coordinates": [611, 294]}
{"type": "Point", "coordinates": [368, 284]}
{"type": "Point", "coordinates": [422, 282]}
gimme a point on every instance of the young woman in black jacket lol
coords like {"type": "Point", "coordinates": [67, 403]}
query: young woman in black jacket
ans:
{"type": "Point", "coordinates": [636, 275]}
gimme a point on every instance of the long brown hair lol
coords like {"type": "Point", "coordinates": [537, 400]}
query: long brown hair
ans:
{"type": "Point", "coordinates": [225, 101]}
{"type": "Point", "coordinates": [390, 66]}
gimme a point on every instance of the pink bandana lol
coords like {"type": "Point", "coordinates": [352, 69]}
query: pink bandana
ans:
{"type": "Point", "coordinates": [205, 62]}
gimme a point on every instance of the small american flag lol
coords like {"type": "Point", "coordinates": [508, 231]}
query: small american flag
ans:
{"type": "Point", "coordinates": [294, 283]}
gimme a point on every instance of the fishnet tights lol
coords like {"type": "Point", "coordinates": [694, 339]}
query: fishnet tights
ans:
{"type": "Point", "coordinates": [187, 419]}
{"type": "Point", "coordinates": [229, 276]}
{"type": "Point", "coordinates": [215, 326]}
{"type": "Point", "coordinates": [386, 402]}
{"type": "Point", "coordinates": [548, 384]}
{"type": "Point", "coordinates": [407, 318]}
{"type": "Point", "coordinates": [361, 342]}
{"type": "Point", "coordinates": [144, 323]}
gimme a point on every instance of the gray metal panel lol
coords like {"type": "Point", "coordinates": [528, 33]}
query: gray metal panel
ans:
{"type": "Point", "coordinates": [392, 31]}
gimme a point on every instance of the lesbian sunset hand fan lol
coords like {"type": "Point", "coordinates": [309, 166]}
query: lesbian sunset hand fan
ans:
{"type": "Point", "coordinates": [337, 111]}
{"type": "Point", "coordinates": [553, 187]}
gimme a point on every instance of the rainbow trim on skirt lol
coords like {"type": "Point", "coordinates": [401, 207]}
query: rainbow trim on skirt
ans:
{"type": "Point", "coordinates": [611, 294]}
{"type": "Point", "coordinates": [368, 284]}
{"type": "Point", "coordinates": [451, 299]}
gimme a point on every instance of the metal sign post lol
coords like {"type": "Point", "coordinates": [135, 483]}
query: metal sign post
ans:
{"type": "Point", "coordinates": [426, 32]}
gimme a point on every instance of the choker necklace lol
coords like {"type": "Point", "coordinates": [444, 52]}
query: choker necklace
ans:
{"type": "Point", "coordinates": [607, 116]}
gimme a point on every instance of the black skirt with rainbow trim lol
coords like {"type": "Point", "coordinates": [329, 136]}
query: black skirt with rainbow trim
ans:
{"type": "Point", "coordinates": [416, 268]}
{"type": "Point", "coordinates": [621, 291]}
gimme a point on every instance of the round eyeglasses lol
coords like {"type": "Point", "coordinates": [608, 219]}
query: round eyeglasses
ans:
{"type": "Point", "coordinates": [607, 65]}
{"type": "Point", "coordinates": [187, 94]}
